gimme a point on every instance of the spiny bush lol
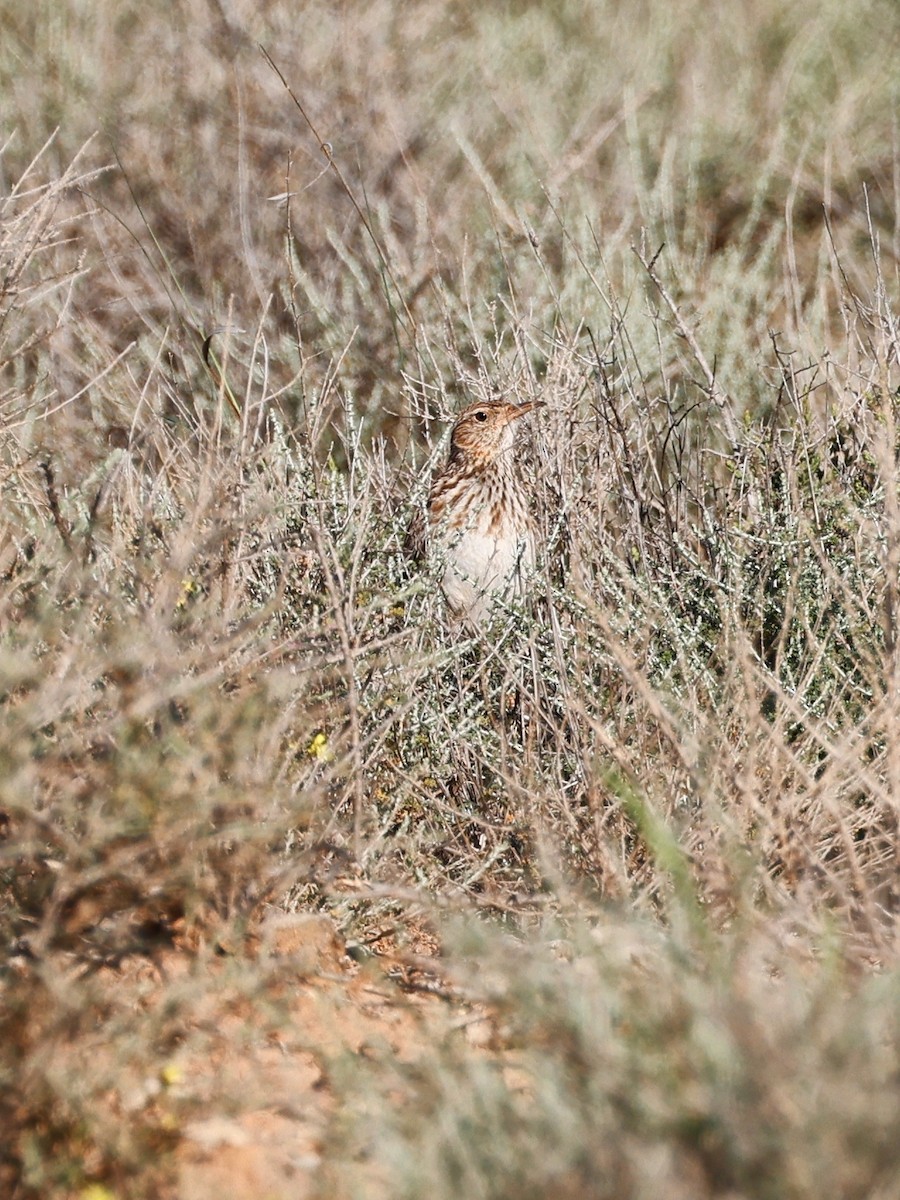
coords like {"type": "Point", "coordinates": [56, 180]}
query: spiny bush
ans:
{"type": "Point", "coordinates": [225, 354]}
{"type": "Point", "coordinates": [613, 1058]}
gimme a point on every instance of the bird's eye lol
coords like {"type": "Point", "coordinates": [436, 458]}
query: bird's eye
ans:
{"type": "Point", "coordinates": [481, 415]}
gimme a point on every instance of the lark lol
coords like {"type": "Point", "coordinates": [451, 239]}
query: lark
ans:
{"type": "Point", "coordinates": [477, 523]}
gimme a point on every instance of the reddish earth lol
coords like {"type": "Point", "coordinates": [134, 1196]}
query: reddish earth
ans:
{"type": "Point", "coordinates": [246, 1090]}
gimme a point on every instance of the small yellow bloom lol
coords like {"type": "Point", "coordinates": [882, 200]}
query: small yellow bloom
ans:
{"type": "Point", "coordinates": [189, 589]}
{"type": "Point", "coordinates": [318, 748]}
{"type": "Point", "coordinates": [171, 1074]}
{"type": "Point", "coordinates": [96, 1191]}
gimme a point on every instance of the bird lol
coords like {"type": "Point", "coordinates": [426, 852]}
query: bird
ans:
{"type": "Point", "coordinates": [477, 522]}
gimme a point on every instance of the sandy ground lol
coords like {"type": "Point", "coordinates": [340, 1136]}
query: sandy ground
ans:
{"type": "Point", "coordinates": [248, 1087]}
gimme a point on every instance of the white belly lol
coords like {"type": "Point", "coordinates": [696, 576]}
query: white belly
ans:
{"type": "Point", "coordinates": [480, 566]}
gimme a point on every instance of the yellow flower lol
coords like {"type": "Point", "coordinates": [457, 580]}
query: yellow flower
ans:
{"type": "Point", "coordinates": [319, 748]}
{"type": "Point", "coordinates": [171, 1074]}
{"type": "Point", "coordinates": [189, 589]}
{"type": "Point", "coordinates": [96, 1191]}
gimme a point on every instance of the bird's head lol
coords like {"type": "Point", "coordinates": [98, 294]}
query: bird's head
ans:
{"type": "Point", "coordinates": [486, 430]}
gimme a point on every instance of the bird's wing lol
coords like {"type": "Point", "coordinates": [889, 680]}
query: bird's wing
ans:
{"type": "Point", "coordinates": [415, 544]}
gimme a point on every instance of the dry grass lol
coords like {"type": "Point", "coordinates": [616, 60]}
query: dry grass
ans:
{"type": "Point", "coordinates": [652, 821]}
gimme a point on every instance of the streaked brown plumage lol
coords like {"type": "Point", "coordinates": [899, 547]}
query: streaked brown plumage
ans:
{"type": "Point", "coordinates": [477, 518]}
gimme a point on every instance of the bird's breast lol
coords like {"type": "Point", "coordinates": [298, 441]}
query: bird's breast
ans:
{"type": "Point", "coordinates": [478, 565]}
{"type": "Point", "coordinates": [481, 530]}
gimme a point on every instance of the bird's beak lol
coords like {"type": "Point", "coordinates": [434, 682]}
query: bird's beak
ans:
{"type": "Point", "coordinates": [526, 408]}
